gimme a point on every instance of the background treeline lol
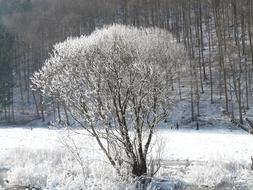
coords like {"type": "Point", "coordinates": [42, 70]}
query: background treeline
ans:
{"type": "Point", "coordinates": [217, 35]}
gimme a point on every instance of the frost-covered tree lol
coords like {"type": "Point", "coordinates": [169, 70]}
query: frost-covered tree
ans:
{"type": "Point", "coordinates": [114, 84]}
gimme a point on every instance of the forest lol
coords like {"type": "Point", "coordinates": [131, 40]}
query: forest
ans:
{"type": "Point", "coordinates": [216, 34]}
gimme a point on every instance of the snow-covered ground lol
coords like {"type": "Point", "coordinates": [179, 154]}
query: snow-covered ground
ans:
{"type": "Point", "coordinates": [218, 156]}
{"type": "Point", "coordinates": [205, 158]}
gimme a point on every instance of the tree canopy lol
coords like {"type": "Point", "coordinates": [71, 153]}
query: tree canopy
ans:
{"type": "Point", "coordinates": [114, 84]}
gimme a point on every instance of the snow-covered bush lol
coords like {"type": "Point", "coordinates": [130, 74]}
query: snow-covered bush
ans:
{"type": "Point", "coordinates": [115, 85]}
{"type": "Point", "coordinates": [214, 173]}
{"type": "Point", "coordinates": [58, 170]}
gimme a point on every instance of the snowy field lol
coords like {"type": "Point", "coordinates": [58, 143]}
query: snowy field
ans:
{"type": "Point", "coordinates": [63, 159]}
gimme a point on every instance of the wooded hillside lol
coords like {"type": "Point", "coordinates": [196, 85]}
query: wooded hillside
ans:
{"type": "Point", "coordinates": [217, 35]}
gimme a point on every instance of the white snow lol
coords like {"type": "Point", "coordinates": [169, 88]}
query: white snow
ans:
{"type": "Point", "coordinates": [39, 157]}
{"type": "Point", "coordinates": [204, 145]}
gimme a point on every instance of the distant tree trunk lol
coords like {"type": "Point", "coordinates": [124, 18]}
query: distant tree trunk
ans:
{"type": "Point", "coordinates": [219, 27]}
{"type": "Point", "coordinates": [249, 30]}
{"type": "Point", "coordinates": [237, 42]}
{"type": "Point", "coordinates": [42, 108]}
{"type": "Point", "coordinates": [66, 115]}
{"type": "Point", "coordinates": [209, 55]}
{"type": "Point", "coordinates": [59, 111]}
{"type": "Point", "coordinates": [202, 40]}
{"type": "Point", "coordinates": [36, 105]}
